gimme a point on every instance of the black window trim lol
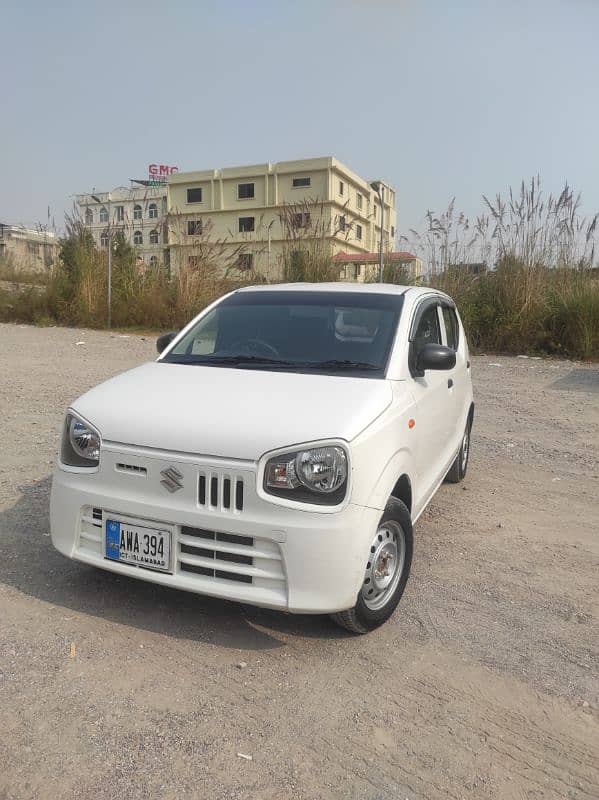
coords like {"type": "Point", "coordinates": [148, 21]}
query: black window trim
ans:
{"type": "Point", "coordinates": [423, 306]}
{"type": "Point", "coordinates": [451, 305]}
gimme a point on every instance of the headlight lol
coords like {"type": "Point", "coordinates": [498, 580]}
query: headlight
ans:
{"type": "Point", "coordinates": [80, 443]}
{"type": "Point", "coordinates": [316, 475]}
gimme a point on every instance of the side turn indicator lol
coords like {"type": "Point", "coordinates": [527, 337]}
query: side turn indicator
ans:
{"type": "Point", "coordinates": [411, 423]}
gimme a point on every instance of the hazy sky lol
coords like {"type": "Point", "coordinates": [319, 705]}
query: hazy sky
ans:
{"type": "Point", "coordinates": [440, 98]}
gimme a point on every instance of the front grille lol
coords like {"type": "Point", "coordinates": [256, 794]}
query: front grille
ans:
{"type": "Point", "coordinates": [220, 492]}
{"type": "Point", "coordinates": [133, 469]}
{"type": "Point", "coordinates": [231, 557]}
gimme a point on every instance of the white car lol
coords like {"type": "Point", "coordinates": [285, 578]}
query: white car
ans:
{"type": "Point", "coordinates": [278, 451]}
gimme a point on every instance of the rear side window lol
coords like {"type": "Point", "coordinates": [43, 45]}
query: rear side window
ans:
{"type": "Point", "coordinates": [428, 331]}
{"type": "Point", "coordinates": [451, 327]}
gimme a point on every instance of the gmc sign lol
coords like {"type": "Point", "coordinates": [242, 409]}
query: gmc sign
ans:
{"type": "Point", "coordinates": [160, 172]}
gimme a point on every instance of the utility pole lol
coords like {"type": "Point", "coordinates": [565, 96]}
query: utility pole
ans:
{"type": "Point", "coordinates": [97, 199]}
{"type": "Point", "coordinates": [379, 189]}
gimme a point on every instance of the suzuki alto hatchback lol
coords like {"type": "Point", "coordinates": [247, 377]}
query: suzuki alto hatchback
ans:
{"type": "Point", "coordinates": [277, 452]}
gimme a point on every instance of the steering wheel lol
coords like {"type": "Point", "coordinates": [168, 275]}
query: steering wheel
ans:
{"type": "Point", "coordinates": [254, 347]}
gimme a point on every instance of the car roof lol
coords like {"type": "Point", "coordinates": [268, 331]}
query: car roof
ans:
{"type": "Point", "coordinates": [340, 286]}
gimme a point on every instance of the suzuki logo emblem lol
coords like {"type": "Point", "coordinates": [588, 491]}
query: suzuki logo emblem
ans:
{"type": "Point", "coordinates": [172, 479]}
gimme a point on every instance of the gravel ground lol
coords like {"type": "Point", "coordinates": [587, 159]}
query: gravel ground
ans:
{"type": "Point", "coordinates": [485, 683]}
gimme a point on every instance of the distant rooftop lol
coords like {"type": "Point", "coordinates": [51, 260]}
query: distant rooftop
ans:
{"type": "Point", "coordinates": [21, 230]}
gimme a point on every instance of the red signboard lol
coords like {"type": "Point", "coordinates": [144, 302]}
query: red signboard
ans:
{"type": "Point", "coordinates": [160, 172]}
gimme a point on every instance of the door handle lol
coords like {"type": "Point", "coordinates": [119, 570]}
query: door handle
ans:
{"type": "Point", "coordinates": [450, 383]}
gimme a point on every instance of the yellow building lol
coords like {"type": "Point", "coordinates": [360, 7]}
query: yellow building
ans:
{"type": "Point", "coordinates": [248, 217]}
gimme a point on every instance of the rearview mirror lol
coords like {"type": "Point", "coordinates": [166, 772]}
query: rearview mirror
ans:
{"type": "Point", "coordinates": [163, 341]}
{"type": "Point", "coordinates": [435, 356]}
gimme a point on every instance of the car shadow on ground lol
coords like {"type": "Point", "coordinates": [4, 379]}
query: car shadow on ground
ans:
{"type": "Point", "coordinates": [31, 565]}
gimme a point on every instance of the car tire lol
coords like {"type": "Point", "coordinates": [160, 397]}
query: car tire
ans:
{"type": "Point", "coordinates": [387, 572]}
{"type": "Point", "coordinates": [457, 471]}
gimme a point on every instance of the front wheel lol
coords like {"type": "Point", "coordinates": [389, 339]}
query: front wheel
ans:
{"type": "Point", "coordinates": [386, 574]}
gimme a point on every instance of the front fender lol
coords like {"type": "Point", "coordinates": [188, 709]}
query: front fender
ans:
{"type": "Point", "coordinates": [400, 463]}
{"type": "Point", "coordinates": [384, 451]}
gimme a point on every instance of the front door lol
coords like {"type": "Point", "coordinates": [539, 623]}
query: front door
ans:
{"type": "Point", "coordinates": [434, 412]}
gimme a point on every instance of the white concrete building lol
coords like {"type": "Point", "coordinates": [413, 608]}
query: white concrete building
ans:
{"type": "Point", "coordinates": [28, 248]}
{"type": "Point", "coordinates": [138, 212]}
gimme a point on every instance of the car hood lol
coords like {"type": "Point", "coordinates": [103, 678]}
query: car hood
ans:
{"type": "Point", "coordinates": [230, 413]}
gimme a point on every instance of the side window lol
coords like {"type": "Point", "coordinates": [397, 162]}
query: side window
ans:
{"type": "Point", "coordinates": [451, 327]}
{"type": "Point", "coordinates": [428, 330]}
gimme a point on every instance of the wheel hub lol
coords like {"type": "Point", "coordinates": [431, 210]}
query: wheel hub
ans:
{"type": "Point", "coordinates": [385, 565]}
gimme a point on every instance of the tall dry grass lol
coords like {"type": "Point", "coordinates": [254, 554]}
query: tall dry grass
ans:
{"type": "Point", "coordinates": [307, 229]}
{"type": "Point", "coordinates": [523, 273]}
{"type": "Point", "coordinates": [536, 291]}
{"type": "Point", "coordinates": [142, 296]}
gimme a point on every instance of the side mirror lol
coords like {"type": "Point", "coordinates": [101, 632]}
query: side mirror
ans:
{"type": "Point", "coordinates": [163, 341]}
{"type": "Point", "coordinates": [435, 356]}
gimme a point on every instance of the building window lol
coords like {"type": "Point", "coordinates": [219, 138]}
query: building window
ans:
{"type": "Point", "coordinates": [154, 237]}
{"type": "Point", "coordinates": [301, 220]}
{"type": "Point", "coordinates": [33, 248]}
{"type": "Point", "coordinates": [193, 262]}
{"type": "Point", "coordinates": [341, 187]}
{"type": "Point", "coordinates": [245, 261]}
{"type": "Point", "coordinates": [120, 213]}
{"type": "Point", "coordinates": [359, 200]}
{"type": "Point", "coordinates": [153, 211]}
{"type": "Point", "coordinates": [358, 231]}
{"type": "Point", "coordinates": [245, 191]}
{"type": "Point", "coordinates": [104, 239]}
{"type": "Point", "coordinates": [298, 182]}
{"type": "Point", "coordinates": [138, 237]}
{"type": "Point", "coordinates": [137, 212]}
{"type": "Point", "coordinates": [392, 232]}
{"type": "Point", "coordinates": [194, 195]}
{"type": "Point", "coordinates": [246, 224]}
{"type": "Point", "coordinates": [89, 216]}
{"type": "Point", "coordinates": [153, 261]}
{"type": "Point", "coordinates": [194, 227]}
{"type": "Point", "coordinates": [342, 223]}
{"type": "Point", "coordinates": [103, 214]}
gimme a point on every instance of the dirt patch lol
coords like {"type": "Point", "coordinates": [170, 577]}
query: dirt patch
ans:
{"type": "Point", "coordinates": [483, 685]}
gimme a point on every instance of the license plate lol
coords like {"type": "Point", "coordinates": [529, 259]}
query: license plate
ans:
{"type": "Point", "coordinates": [138, 545]}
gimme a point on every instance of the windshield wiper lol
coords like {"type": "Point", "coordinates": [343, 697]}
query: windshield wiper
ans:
{"type": "Point", "coordinates": [340, 364]}
{"type": "Point", "coordinates": [234, 360]}
{"type": "Point", "coordinates": [242, 360]}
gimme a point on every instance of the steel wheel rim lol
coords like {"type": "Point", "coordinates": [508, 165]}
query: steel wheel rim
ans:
{"type": "Point", "coordinates": [465, 450]}
{"type": "Point", "coordinates": [385, 565]}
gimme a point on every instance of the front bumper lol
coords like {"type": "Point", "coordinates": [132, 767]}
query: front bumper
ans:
{"type": "Point", "coordinates": [225, 542]}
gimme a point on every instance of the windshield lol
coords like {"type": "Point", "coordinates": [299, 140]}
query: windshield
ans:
{"type": "Point", "coordinates": [300, 331]}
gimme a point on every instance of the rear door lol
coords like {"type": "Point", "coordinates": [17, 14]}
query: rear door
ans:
{"type": "Point", "coordinates": [435, 409]}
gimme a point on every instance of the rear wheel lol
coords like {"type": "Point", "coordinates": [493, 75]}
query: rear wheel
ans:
{"type": "Point", "coordinates": [457, 471]}
{"type": "Point", "coordinates": [386, 574]}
